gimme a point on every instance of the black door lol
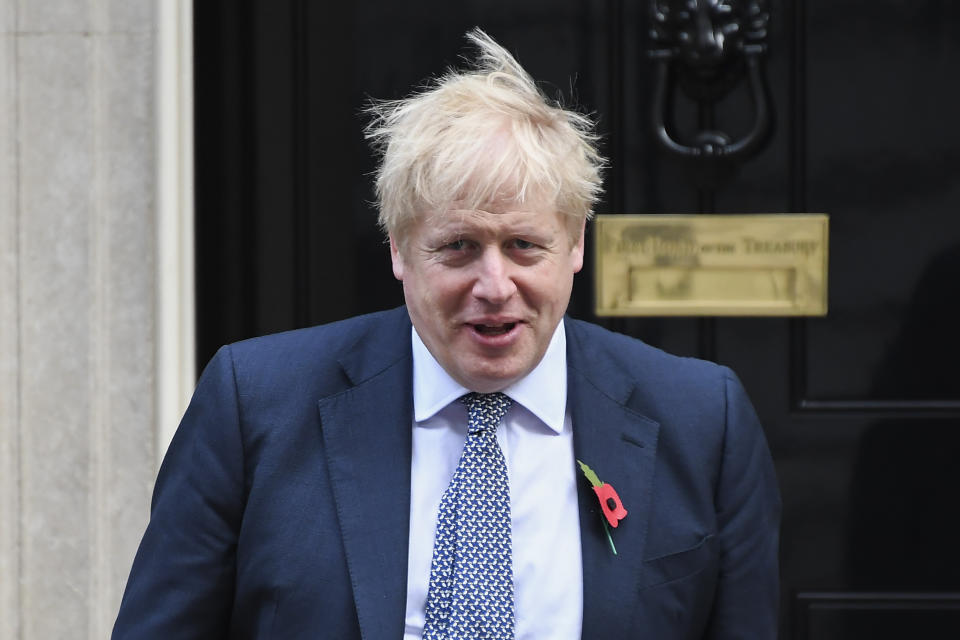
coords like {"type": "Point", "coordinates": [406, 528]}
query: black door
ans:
{"type": "Point", "coordinates": [861, 408]}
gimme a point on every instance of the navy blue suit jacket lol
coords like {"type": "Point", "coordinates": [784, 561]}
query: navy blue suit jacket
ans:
{"type": "Point", "coordinates": [282, 507]}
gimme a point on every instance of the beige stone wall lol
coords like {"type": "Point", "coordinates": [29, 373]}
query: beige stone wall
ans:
{"type": "Point", "coordinates": [77, 308]}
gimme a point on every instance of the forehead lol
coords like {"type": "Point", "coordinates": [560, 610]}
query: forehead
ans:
{"type": "Point", "coordinates": [489, 217]}
{"type": "Point", "coordinates": [533, 216]}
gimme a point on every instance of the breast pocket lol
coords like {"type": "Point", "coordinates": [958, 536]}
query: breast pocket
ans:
{"type": "Point", "coordinates": [682, 564]}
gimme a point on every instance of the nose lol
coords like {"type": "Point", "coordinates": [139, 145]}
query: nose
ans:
{"type": "Point", "coordinates": [494, 279]}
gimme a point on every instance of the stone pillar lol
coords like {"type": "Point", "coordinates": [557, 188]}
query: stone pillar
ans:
{"type": "Point", "coordinates": [78, 308]}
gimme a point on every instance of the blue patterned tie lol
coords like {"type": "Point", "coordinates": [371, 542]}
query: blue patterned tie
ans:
{"type": "Point", "coordinates": [471, 577]}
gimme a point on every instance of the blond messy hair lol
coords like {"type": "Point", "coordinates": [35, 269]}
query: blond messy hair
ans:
{"type": "Point", "coordinates": [480, 136]}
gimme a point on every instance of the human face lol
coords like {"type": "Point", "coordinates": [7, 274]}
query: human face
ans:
{"type": "Point", "coordinates": [486, 288]}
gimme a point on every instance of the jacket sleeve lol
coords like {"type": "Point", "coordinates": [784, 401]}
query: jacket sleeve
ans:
{"type": "Point", "coordinates": [182, 581]}
{"type": "Point", "coordinates": [748, 519]}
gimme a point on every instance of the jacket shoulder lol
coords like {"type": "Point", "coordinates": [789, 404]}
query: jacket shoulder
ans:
{"type": "Point", "coordinates": [340, 335]}
{"type": "Point", "coordinates": [314, 358]}
{"type": "Point", "coordinates": [607, 353]}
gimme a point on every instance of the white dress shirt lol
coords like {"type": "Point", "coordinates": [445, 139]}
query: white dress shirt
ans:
{"type": "Point", "coordinates": [536, 438]}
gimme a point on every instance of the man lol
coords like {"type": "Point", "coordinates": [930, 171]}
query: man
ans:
{"type": "Point", "coordinates": [320, 486]}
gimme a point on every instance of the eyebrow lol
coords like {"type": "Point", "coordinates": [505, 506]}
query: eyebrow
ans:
{"type": "Point", "coordinates": [459, 231]}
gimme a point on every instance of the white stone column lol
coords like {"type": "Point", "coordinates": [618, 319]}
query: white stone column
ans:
{"type": "Point", "coordinates": [79, 285]}
{"type": "Point", "coordinates": [9, 334]}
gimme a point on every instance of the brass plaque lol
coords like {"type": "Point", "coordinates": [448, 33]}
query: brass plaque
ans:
{"type": "Point", "coordinates": [711, 265]}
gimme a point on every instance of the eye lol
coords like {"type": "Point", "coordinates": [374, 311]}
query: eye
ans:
{"type": "Point", "coordinates": [520, 243]}
{"type": "Point", "coordinates": [456, 245]}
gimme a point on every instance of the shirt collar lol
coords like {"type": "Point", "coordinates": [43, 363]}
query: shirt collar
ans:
{"type": "Point", "coordinates": [543, 391]}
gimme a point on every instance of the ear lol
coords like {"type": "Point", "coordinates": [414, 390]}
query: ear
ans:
{"type": "Point", "coordinates": [577, 250]}
{"type": "Point", "coordinates": [396, 258]}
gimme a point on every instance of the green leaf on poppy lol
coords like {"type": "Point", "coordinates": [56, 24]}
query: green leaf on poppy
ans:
{"type": "Point", "coordinates": [606, 530]}
{"type": "Point", "coordinates": [590, 475]}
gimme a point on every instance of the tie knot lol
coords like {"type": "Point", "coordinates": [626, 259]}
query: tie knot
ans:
{"type": "Point", "coordinates": [485, 410]}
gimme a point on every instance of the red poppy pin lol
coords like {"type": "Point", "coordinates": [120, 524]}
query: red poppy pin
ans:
{"type": "Point", "coordinates": [610, 503]}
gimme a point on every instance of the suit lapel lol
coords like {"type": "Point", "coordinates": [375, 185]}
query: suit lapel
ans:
{"type": "Point", "coordinates": [620, 445]}
{"type": "Point", "coordinates": [367, 438]}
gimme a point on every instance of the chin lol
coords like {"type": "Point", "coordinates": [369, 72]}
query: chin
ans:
{"type": "Point", "coordinates": [490, 381]}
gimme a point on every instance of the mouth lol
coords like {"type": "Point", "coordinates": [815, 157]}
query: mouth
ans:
{"type": "Point", "coordinates": [494, 329]}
